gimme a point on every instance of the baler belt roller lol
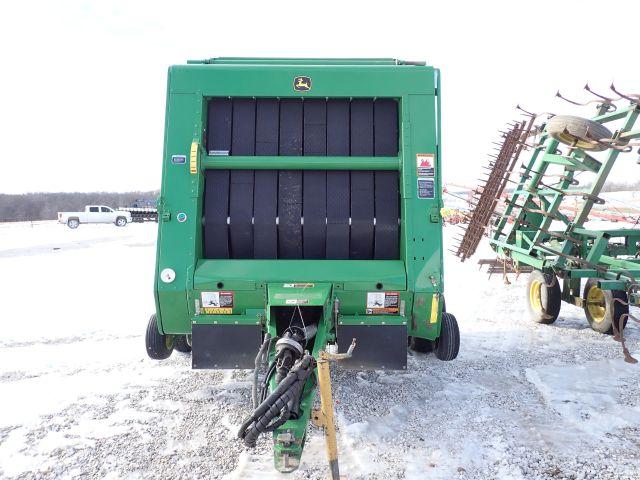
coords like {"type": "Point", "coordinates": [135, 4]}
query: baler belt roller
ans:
{"type": "Point", "coordinates": [295, 214]}
{"type": "Point", "coordinates": [295, 126]}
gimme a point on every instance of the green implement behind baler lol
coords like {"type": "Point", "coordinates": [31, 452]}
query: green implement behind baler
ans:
{"type": "Point", "coordinates": [300, 210]}
{"type": "Point", "coordinates": [536, 228]}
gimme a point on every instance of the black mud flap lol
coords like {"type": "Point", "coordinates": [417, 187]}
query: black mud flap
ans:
{"type": "Point", "coordinates": [225, 346]}
{"type": "Point", "coordinates": [377, 347]}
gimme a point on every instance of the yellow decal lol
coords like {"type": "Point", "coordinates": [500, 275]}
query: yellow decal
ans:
{"type": "Point", "coordinates": [216, 311]}
{"type": "Point", "coordinates": [434, 308]}
{"type": "Point", "coordinates": [193, 158]}
{"type": "Point", "coordinates": [302, 84]}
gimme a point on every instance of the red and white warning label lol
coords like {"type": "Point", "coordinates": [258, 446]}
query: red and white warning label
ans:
{"type": "Point", "coordinates": [426, 164]}
{"type": "Point", "coordinates": [382, 302]}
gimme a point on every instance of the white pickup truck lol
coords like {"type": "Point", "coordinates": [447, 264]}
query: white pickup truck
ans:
{"type": "Point", "coordinates": [95, 214]}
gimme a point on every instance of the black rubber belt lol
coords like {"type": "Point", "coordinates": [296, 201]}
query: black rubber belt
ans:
{"type": "Point", "coordinates": [291, 126]}
{"type": "Point", "coordinates": [243, 138]}
{"type": "Point", "coordinates": [338, 206]}
{"type": "Point", "coordinates": [362, 127]}
{"type": "Point", "coordinates": [362, 212]}
{"type": "Point", "coordinates": [216, 210]}
{"type": "Point", "coordinates": [315, 127]}
{"type": "Point", "coordinates": [219, 125]}
{"type": "Point", "coordinates": [267, 126]}
{"type": "Point", "coordinates": [265, 210]}
{"type": "Point", "coordinates": [338, 127]}
{"type": "Point", "coordinates": [385, 121]}
{"type": "Point", "coordinates": [387, 212]}
{"type": "Point", "coordinates": [290, 214]}
{"type": "Point", "coordinates": [241, 213]}
{"type": "Point", "coordinates": [314, 211]}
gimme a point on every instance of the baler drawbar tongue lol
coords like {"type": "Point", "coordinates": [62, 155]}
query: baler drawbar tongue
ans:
{"type": "Point", "coordinates": [303, 311]}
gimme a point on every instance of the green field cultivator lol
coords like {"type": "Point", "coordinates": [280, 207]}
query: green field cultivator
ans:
{"type": "Point", "coordinates": [300, 214]}
{"type": "Point", "coordinates": [531, 226]}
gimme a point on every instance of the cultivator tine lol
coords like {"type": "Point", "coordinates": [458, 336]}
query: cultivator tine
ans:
{"type": "Point", "coordinates": [525, 112]}
{"type": "Point", "coordinates": [607, 102]}
{"type": "Point", "coordinates": [632, 97]}
{"type": "Point", "coordinates": [572, 102]}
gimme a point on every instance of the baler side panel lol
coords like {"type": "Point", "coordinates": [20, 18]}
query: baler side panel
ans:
{"type": "Point", "coordinates": [181, 190]}
{"type": "Point", "coordinates": [421, 234]}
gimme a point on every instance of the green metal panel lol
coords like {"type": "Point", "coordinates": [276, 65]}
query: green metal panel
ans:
{"type": "Point", "coordinates": [276, 80]}
{"type": "Point", "coordinates": [303, 163]}
{"type": "Point", "coordinates": [353, 274]}
{"type": "Point", "coordinates": [287, 294]}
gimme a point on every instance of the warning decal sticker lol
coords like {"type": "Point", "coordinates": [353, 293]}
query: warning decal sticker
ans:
{"type": "Point", "coordinates": [216, 303]}
{"type": "Point", "coordinates": [426, 164]}
{"type": "Point", "coordinates": [382, 302]}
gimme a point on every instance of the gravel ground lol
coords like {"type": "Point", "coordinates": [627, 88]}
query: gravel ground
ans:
{"type": "Point", "coordinates": [522, 401]}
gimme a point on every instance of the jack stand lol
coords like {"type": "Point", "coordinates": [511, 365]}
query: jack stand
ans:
{"type": "Point", "coordinates": [323, 417]}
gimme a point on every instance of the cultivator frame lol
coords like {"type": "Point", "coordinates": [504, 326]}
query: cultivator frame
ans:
{"type": "Point", "coordinates": [526, 231]}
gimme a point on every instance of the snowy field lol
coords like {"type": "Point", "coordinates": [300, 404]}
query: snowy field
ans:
{"type": "Point", "coordinates": [80, 398]}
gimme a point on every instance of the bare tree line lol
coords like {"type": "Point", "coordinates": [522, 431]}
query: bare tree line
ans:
{"type": "Point", "coordinates": [620, 186]}
{"type": "Point", "coordinates": [44, 205]}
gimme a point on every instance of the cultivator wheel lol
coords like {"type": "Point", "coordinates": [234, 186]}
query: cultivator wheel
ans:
{"type": "Point", "coordinates": [543, 297]}
{"type": "Point", "coordinates": [604, 307]}
{"type": "Point", "coordinates": [578, 132]}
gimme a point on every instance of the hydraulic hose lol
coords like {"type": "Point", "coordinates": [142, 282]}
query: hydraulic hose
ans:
{"type": "Point", "coordinates": [261, 359]}
{"type": "Point", "coordinates": [276, 409]}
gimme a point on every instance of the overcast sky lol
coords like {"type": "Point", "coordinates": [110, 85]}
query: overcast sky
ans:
{"type": "Point", "coordinates": [82, 93]}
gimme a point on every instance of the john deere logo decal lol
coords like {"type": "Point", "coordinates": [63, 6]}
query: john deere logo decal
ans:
{"type": "Point", "coordinates": [302, 84]}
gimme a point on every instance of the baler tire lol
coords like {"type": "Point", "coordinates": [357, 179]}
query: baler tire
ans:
{"type": "Point", "coordinates": [181, 344]}
{"type": "Point", "coordinates": [73, 223]}
{"type": "Point", "coordinates": [421, 345]}
{"type": "Point", "coordinates": [568, 129]}
{"type": "Point", "coordinates": [602, 320]}
{"type": "Point", "coordinates": [121, 222]}
{"type": "Point", "coordinates": [159, 346]}
{"type": "Point", "coordinates": [448, 343]}
{"type": "Point", "coordinates": [543, 297]}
